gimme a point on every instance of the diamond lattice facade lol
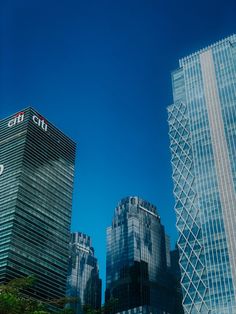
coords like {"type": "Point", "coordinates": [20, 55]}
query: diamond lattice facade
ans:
{"type": "Point", "coordinates": [202, 130]}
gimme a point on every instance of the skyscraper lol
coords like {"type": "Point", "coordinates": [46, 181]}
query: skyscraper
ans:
{"type": "Point", "coordinates": [83, 280]}
{"type": "Point", "coordinates": [202, 129]}
{"type": "Point", "coordinates": [36, 182]}
{"type": "Point", "coordinates": [137, 254]}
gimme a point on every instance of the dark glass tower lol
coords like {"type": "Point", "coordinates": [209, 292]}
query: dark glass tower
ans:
{"type": "Point", "coordinates": [83, 274]}
{"type": "Point", "coordinates": [176, 278]}
{"type": "Point", "coordinates": [138, 260]}
{"type": "Point", "coordinates": [36, 182]}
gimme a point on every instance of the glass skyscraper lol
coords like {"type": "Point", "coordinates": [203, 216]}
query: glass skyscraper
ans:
{"type": "Point", "coordinates": [36, 182]}
{"type": "Point", "coordinates": [83, 280]}
{"type": "Point", "coordinates": [138, 259]}
{"type": "Point", "coordinates": [202, 130]}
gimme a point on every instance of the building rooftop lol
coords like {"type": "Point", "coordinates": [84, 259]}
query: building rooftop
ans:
{"type": "Point", "coordinates": [230, 39]}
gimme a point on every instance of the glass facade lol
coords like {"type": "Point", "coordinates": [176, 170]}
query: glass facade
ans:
{"type": "Point", "coordinates": [138, 258]}
{"type": "Point", "coordinates": [83, 276]}
{"type": "Point", "coordinates": [36, 182]}
{"type": "Point", "coordinates": [140, 310]}
{"type": "Point", "coordinates": [202, 130]}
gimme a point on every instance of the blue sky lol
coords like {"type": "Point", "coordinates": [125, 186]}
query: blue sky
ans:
{"type": "Point", "coordinates": [101, 72]}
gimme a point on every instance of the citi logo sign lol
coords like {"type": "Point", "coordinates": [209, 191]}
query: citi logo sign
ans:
{"type": "Point", "coordinates": [19, 117]}
{"type": "Point", "coordinates": [40, 122]}
{"type": "Point", "coordinates": [1, 169]}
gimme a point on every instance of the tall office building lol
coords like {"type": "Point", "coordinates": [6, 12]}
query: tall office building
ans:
{"type": "Point", "coordinates": [138, 258]}
{"type": "Point", "coordinates": [83, 280]}
{"type": "Point", "coordinates": [36, 182]}
{"type": "Point", "coordinates": [202, 129]}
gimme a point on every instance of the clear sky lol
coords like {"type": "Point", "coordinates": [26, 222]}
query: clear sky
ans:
{"type": "Point", "coordinates": [100, 70]}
